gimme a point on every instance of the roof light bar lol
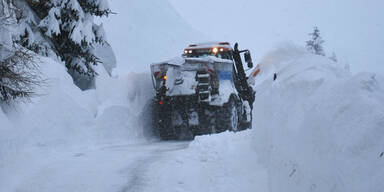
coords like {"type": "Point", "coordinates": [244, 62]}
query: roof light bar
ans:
{"type": "Point", "coordinates": [223, 43]}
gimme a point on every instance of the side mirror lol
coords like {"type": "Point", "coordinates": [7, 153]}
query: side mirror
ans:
{"type": "Point", "coordinates": [248, 59]}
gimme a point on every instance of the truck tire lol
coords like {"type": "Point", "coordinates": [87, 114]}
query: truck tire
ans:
{"type": "Point", "coordinates": [183, 132]}
{"type": "Point", "coordinates": [163, 123]}
{"type": "Point", "coordinates": [228, 116]}
{"type": "Point", "coordinates": [246, 124]}
{"type": "Point", "coordinates": [165, 131]}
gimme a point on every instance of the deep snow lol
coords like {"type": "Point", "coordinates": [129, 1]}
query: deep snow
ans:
{"type": "Point", "coordinates": [63, 119]}
{"type": "Point", "coordinates": [316, 128]}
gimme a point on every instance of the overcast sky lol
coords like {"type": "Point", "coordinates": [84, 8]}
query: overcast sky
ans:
{"type": "Point", "coordinates": [147, 31]}
{"type": "Point", "coordinates": [353, 29]}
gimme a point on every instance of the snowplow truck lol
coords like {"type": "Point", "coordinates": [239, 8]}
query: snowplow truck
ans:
{"type": "Point", "coordinates": [203, 92]}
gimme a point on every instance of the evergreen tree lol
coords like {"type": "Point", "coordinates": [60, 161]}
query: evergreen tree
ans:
{"type": "Point", "coordinates": [68, 28]}
{"type": "Point", "coordinates": [315, 44]}
{"type": "Point", "coordinates": [19, 74]}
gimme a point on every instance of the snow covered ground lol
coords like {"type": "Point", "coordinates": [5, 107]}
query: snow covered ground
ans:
{"type": "Point", "coordinates": [316, 128]}
{"type": "Point", "coordinates": [68, 140]}
{"type": "Point", "coordinates": [64, 120]}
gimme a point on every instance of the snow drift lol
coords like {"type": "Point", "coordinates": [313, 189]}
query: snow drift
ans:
{"type": "Point", "coordinates": [64, 118]}
{"type": "Point", "coordinates": [317, 127]}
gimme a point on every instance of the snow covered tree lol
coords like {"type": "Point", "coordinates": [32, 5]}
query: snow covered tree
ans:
{"type": "Point", "coordinates": [315, 44]}
{"type": "Point", "coordinates": [19, 74]}
{"type": "Point", "coordinates": [67, 27]}
{"type": "Point", "coordinates": [29, 33]}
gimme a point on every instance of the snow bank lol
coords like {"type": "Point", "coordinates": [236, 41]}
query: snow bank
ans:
{"type": "Point", "coordinates": [65, 115]}
{"type": "Point", "coordinates": [64, 118]}
{"type": "Point", "coordinates": [317, 127]}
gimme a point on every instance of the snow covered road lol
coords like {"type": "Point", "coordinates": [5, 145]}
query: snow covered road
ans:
{"type": "Point", "coordinates": [108, 168]}
{"type": "Point", "coordinates": [155, 166]}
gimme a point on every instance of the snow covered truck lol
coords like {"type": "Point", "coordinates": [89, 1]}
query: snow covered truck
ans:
{"type": "Point", "coordinates": [205, 91]}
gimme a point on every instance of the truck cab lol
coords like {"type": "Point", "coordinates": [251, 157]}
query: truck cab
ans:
{"type": "Point", "coordinates": [221, 50]}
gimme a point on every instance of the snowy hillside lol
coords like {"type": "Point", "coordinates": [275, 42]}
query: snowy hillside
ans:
{"type": "Point", "coordinates": [144, 32]}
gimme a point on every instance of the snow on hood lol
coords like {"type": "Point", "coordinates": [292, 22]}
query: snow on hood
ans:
{"type": "Point", "coordinates": [182, 60]}
{"type": "Point", "coordinates": [208, 59]}
{"type": "Point", "coordinates": [173, 61]}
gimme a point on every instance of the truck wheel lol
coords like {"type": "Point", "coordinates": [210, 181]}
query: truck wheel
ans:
{"type": "Point", "coordinates": [228, 117]}
{"type": "Point", "coordinates": [234, 117]}
{"type": "Point", "coordinates": [182, 132]}
{"type": "Point", "coordinates": [246, 120]}
{"type": "Point", "coordinates": [164, 124]}
{"type": "Point", "coordinates": [165, 131]}
{"type": "Point", "coordinates": [246, 124]}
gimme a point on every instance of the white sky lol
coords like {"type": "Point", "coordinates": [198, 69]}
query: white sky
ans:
{"type": "Point", "coordinates": [144, 32]}
{"type": "Point", "coordinates": [353, 29]}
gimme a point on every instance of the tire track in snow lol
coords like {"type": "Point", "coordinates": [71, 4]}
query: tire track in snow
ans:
{"type": "Point", "coordinates": [138, 178]}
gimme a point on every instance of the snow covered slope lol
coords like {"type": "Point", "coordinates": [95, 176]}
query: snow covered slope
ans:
{"type": "Point", "coordinates": [144, 32]}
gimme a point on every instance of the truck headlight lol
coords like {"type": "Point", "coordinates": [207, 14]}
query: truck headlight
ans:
{"type": "Point", "coordinates": [215, 50]}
